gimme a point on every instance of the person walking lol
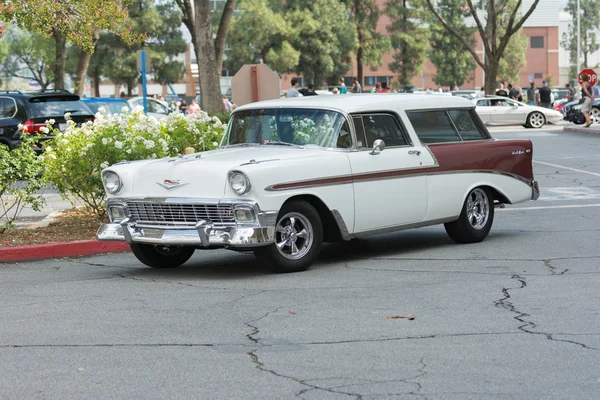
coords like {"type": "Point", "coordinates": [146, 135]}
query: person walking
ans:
{"type": "Point", "coordinates": [356, 87]}
{"type": "Point", "coordinates": [293, 91]}
{"type": "Point", "coordinates": [194, 108]}
{"type": "Point", "coordinates": [311, 90]}
{"type": "Point", "coordinates": [545, 96]}
{"type": "Point", "coordinates": [587, 95]}
{"type": "Point", "coordinates": [531, 94]}
{"type": "Point", "coordinates": [343, 88]}
{"type": "Point", "coordinates": [183, 106]}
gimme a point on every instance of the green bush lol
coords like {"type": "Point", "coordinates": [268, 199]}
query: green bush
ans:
{"type": "Point", "coordinates": [76, 157]}
{"type": "Point", "coordinates": [20, 182]}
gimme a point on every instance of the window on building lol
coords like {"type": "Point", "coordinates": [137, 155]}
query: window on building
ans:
{"type": "Point", "coordinates": [538, 75]}
{"type": "Point", "coordinates": [537, 42]}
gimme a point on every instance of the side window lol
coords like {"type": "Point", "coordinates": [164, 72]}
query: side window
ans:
{"type": "Point", "coordinates": [483, 103]}
{"type": "Point", "coordinates": [467, 127]}
{"type": "Point", "coordinates": [3, 104]}
{"type": "Point", "coordinates": [360, 131]}
{"type": "Point", "coordinates": [344, 139]}
{"type": "Point", "coordinates": [433, 126]}
{"type": "Point", "coordinates": [384, 127]}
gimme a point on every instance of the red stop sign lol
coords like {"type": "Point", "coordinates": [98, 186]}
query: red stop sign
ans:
{"type": "Point", "coordinates": [590, 72]}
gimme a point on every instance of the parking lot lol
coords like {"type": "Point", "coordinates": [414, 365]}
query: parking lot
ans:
{"type": "Point", "coordinates": [515, 316]}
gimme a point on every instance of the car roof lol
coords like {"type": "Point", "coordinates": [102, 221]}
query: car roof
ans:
{"type": "Point", "coordinates": [103, 99]}
{"type": "Point", "coordinates": [38, 93]}
{"type": "Point", "coordinates": [366, 102]}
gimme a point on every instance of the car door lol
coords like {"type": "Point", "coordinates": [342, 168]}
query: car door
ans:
{"type": "Point", "coordinates": [503, 112]}
{"type": "Point", "coordinates": [388, 188]}
{"type": "Point", "coordinates": [484, 110]}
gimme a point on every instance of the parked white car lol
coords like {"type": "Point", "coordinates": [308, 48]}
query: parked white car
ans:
{"type": "Point", "coordinates": [293, 173]}
{"type": "Point", "coordinates": [156, 108]}
{"type": "Point", "coordinates": [498, 110]}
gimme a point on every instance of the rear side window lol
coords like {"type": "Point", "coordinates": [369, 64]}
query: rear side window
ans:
{"type": "Point", "coordinates": [8, 107]}
{"type": "Point", "coordinates": [433, 126]}
{"type": "Point", "coordinates": [57, 106]}
{"type": "Point", "coordinates": [466, 125]}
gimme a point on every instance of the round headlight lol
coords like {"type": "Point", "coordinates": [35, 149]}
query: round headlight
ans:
{"type": "Point", "coordinates": [112, 182]}
{"type": "Point", "coordinates": [239, 183]}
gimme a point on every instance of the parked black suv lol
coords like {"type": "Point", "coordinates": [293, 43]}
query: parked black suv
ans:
{"type": "Point", "coordinates": [33, 109]}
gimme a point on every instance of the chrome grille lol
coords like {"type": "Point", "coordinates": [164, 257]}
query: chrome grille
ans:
{"type": "Point", "coordinates": [179, 215]}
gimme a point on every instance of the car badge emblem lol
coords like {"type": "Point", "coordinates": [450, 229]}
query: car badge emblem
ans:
{"type": "Point", "coordinates": [171, 184]}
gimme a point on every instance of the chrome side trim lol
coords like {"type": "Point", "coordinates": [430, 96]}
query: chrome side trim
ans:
{"type": "Point", "coordinates": [341, 225]}
{"type": "Point", "coordinates": [397, 228]}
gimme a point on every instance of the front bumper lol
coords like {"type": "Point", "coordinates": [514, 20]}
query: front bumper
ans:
{"type": "Point", "coordinates": [205, 234]}
{"type": "Point", "coordinates": [535, 190]}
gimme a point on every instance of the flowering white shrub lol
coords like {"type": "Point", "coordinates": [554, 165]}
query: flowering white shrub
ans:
{"type": "Point", "coordinates": [75, 158]}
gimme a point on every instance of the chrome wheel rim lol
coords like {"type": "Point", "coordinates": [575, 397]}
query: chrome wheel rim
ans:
{"type": "Point", "coordinates": [293, 236]}
{"type": "Point", "coordinates": [595, 114]}
{"type": "Point", "coordinates": [478, 208]}
{"type": "Point", "coordinates": [536, 120]}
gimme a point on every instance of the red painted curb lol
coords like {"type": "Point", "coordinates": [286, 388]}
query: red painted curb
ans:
{"type": "Point", "coordinates": [58, 250]}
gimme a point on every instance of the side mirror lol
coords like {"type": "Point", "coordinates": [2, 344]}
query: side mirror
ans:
{"type": "Point", "coordinates": [378, 147]}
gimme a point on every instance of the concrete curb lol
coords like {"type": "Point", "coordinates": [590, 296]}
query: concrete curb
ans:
{"type": "Point", "coordinates": [594, 129]}
{"type": "Point", "coordinates": [58, 250]}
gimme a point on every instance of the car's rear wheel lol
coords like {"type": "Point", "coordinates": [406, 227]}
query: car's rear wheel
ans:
{"type": "Point", "coordinates": [157, 256]}
{"type": "Point", "coordinates": [536, 120]}
{"type": "Point", "coordinates": [595, 114]}
{"type": "Point", "coordinates": [298, 239]}
{"type": "Point", "coordinates": [476, 217]}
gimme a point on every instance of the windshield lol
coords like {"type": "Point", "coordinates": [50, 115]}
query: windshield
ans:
{"type": "Point", "coordinates": [293, 126]}
{"type": "Point", "coordinates": [111, 107]}
{"type": "Point", "coordinates": [57, 106]}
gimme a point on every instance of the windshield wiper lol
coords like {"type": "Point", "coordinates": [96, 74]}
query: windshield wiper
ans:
{"type": "Point", "coordinates": [278, 143]}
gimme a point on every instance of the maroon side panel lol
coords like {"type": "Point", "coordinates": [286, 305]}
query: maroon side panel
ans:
{"type": "Point", "coordinates": [510, 156]}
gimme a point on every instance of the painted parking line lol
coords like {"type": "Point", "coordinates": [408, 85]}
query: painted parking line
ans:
{"type": "Point", "coordinates": [546, 207]}
{"type": "Point", "coordinates": [568, 168]}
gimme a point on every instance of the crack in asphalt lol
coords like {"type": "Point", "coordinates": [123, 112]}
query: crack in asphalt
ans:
{"type": "Point", "coordinates": [20, 346]}
{"type": "Point", "coordinates": [419, 337]}
{"type": "Point", "coordinates": [553, 270]}
{"type": "Point", "coordinates": [527, 326]}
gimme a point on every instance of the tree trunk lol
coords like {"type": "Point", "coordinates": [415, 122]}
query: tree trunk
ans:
{"type": "Point", "coordinates": [221, 39]}
{"type": "Point", "coordinates": [59, 61]}
{"type": "Point", "coordinates": [82, 67]}
{"type": "Point", "coordinates": [491, 73]}
{"type": "Point", "coordinates": [208, 72]}
{"type": "Point", "coordinates": [96, 78]}
{"type": "Point", "coordinates": [359, 66]}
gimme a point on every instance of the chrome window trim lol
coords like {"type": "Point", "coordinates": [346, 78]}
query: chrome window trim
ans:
{"type": "Point", "coordinates": [16, 107]}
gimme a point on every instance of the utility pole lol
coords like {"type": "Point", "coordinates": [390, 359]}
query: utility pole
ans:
{"type": "Point", "coordinates": [578, 36]}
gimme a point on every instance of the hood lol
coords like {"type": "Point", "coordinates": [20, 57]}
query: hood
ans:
{"type": "Point", "coordinates": [200, 175]}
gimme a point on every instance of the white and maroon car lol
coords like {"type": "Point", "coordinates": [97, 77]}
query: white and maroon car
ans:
{"type": "Point", "coordinates": [293, 173]}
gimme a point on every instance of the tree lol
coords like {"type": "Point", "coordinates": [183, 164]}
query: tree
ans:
{"type": "Point", "coordinates": [324, 37]}
{"type": "Point", "coordinates": [371, 45]}
{"type": "Point", "coordinates": [259, 32]}
{"type": "Point", "coordinates": [77, 21]}
{"type": "Point", "coordinates": [409, 38]}
{"type": "Point", "coordinates": [514, 59]}
{"type": "Point", "coordinates": [197, 17]}
{"type": "Point", "coordinates": [498, 15]}
{"type": "Point", "coordinates": [589, 39]}
{"type": "Point", "coordinates": [452, 62]}
{"type": "Point", "coordinates": [30, 56]}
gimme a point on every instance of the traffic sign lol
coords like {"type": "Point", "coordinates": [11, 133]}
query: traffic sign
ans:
{"type": "Point", "coordinates": [146, 61]}
{"type": "Point", "coordinates": [530, 77]}
{"type": "Point", "coordinates": [590, 72]}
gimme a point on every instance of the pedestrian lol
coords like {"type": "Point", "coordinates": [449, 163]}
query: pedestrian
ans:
{"type": "Point", "coordinates": [335, 90]}
{"type": "Point", "coordinates": [183, 107]}
{"type": "Point", "coordinates": [311, 90]}
{"type": "Point", "coordinates": [194, 107]}
{"type": "Point", "coordinates": [570, 93]}
{"type": "Point", "coordinates": [513, 93]}
{"type": "Point", "coordinates": [293, 91]}
{"type": "Point", "coordinates": [587, 94]}
{"type": "Point", "coordinates": [531, 94]}
{"type": "Point", "coordinates": [378, 88]}
{"type": "Point", "coordinates": [343, 88]}
{"type": "Point", "coordinates": [356, 87]}
{"type": "Point", "coordinates": [481, 92]}
{"type": "Point", "coordinates": [385, 87]}
{"type": "Point", "coordinates": [173, 106]}
{"type": "Point", "coordinates": [520, 95]}
{"type": "Point", "coordinates": [544, 96]}
{"type": "Point", "coordinates": [596, 91]}
{"type": "Point", "coordinates": [226, 103]}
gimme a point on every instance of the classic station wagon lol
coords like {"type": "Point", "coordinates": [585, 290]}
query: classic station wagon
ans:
{"type": "Point", "coordinates": [293, 173]}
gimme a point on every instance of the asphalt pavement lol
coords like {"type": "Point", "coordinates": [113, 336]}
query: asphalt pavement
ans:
{"type": "Point", "coordinates": [513, 317]}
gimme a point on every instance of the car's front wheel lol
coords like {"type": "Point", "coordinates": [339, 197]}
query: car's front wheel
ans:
{"type": "Point", "coordinates": [476, 217]}
{"type": "Point", "coordinates": [536, 120]}
{"type": "Point", "coordinates": [157, 256]}
{"type": "Point", "coordinates": [298, 239]}
{"type": "Point", "coordinates": [595, 114]}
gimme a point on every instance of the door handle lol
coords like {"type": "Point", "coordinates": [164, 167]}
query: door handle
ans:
{"type": "Point", "coordinates": [414, 152]}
